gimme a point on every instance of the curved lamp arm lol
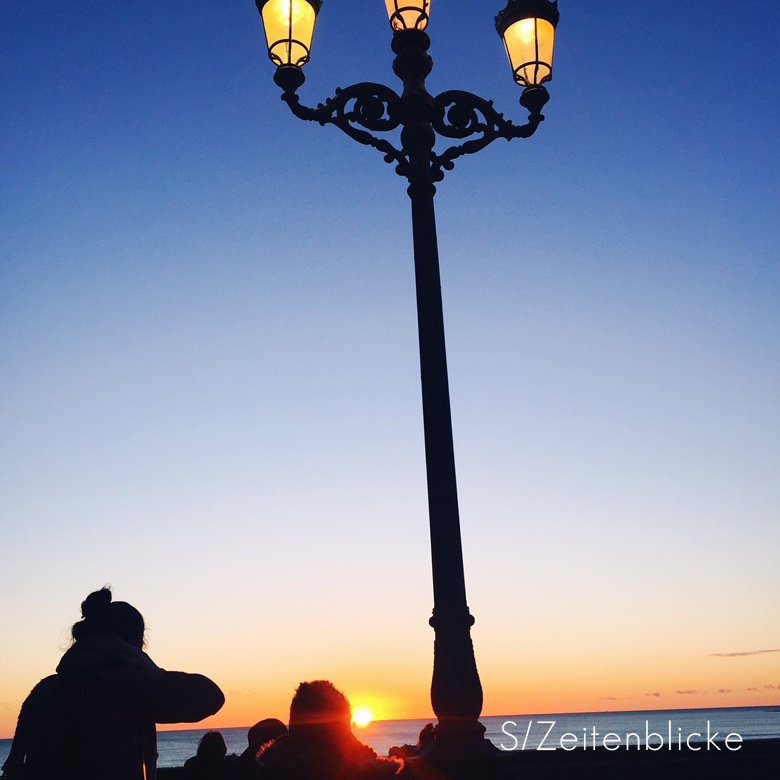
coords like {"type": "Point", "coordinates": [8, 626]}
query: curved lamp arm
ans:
{"type": "Point", "coordinates": [367, 105]}
{"type": "Point", "coordinates": [464, 115]}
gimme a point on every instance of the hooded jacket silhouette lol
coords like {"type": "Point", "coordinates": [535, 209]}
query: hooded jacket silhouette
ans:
{"type": "Point", "coordinates": [95, 718]}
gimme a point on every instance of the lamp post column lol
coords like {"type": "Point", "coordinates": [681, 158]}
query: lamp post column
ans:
{"type": "Point", "coordinates": [456, 692]}
{"type": "Point", "coordinates": [527, 28]}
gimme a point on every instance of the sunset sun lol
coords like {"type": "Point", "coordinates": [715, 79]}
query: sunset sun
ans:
{"type": "Point", "coordinates": [362, 716]}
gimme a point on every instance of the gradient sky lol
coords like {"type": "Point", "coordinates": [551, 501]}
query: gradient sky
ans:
{"type": "Point", "coordinates": [209, 389]}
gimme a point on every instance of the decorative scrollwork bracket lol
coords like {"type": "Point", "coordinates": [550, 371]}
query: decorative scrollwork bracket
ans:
{"type": "Point", "coordinates": [367, 108]}
{"type": "Point", "coordinates": [464, 115]}
{"type": "Point", "coordinates": [364, 105]}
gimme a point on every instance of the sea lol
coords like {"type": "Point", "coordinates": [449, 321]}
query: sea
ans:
{"type": "Point", "coordinates": [643, 730]}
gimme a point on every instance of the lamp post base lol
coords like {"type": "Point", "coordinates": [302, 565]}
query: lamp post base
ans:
{"type": "Point", "coordinates": [460, 740]}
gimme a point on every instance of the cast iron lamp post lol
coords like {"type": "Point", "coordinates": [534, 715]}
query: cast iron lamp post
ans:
{"type": "Point", "coordinates": [527, 28]}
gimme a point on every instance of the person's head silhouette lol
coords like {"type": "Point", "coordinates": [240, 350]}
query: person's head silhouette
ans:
{"type": "Point", "coordinates": [212, 746]}
{"type": "Point", "coordinates": [320, 743]}
{"type": "Point", "coordinates": [320, 712]}
{"type": "Point", "coordinates": [102, 616]}
{"type": "Point", "coordinates": [265, 731]}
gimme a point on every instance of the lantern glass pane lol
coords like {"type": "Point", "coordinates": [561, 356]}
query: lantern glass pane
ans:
{"type": "Point", "coordinates": [408, 14]}
{"type": "Point", "coordinates": [529, 44]}
{"type": "Point", "coordinates": [289, 28]}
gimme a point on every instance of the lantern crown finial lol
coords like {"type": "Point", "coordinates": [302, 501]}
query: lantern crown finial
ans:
{"type": "Point", "coordinates": [527, 9]}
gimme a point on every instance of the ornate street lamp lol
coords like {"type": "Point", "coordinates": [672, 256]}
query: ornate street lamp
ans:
{"type": "Point", "coordinates": [289, 28]}
{"type": "Point", "coordinates": [527, 28]}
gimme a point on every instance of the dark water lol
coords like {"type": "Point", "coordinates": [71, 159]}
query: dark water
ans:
{"type": "Point", "coordinates": [513, 732]}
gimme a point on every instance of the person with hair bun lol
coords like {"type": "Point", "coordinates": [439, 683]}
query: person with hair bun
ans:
{"type": "Point", "coordinates": [95, 718]}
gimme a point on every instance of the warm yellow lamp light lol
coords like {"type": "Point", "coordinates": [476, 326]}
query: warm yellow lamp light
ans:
{"type": "Point", "coordinates": [527, 28]}
{"type": "Point", "coordinates": [408, 14]}
{"type": "Point", "coordinates": [289, 29]}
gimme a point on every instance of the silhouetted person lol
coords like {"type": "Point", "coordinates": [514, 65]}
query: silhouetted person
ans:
{"type": "Point", "coordinates": [260, 734]}
{"type": "Point", "coordinates": [408, 751]}
{"type": "Point", "coordinates": [211, 761]}
{"type": "Point", "coordinates": [320, 744]}
{"type": "Point", "coordinates": [95, 718]}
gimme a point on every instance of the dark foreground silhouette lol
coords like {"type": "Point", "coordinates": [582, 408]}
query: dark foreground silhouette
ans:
{"type": "Point", "coordinates": [259, 735]}
{"type": "Point", "coordinates": [211, 762]}
{"type": "Point", "coordinates": [756, 760]}
{"type": "Point", "coordinates": [95, 718]}
{"type": "Point", "coordinates": [423, 741]}
{"type": "Point", "coordinates": [320, 743]}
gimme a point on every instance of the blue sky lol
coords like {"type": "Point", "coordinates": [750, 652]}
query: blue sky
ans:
{"type": "Point", "coordinates": [208, 372]}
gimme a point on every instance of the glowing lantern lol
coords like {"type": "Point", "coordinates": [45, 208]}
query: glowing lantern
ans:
{"type": "Point", "coordinates": [527, 28]}
{"type": "Point", "coordinates": [408, 14]}
{"type": "Point", "coordinates": [289, 28]}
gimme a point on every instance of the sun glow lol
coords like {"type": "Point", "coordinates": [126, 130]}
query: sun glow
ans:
{"type": "Point", "coordinates": [362, 716]}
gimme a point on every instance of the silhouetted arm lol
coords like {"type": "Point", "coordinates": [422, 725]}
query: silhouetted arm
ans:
{"type": "Point", "coordinates": [178, 697]}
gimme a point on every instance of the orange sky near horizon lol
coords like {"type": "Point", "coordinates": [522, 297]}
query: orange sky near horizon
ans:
{"type": "Point", "coordinates": [243, 711]}
{"type": "Point", "coordinates": [513, 686]}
